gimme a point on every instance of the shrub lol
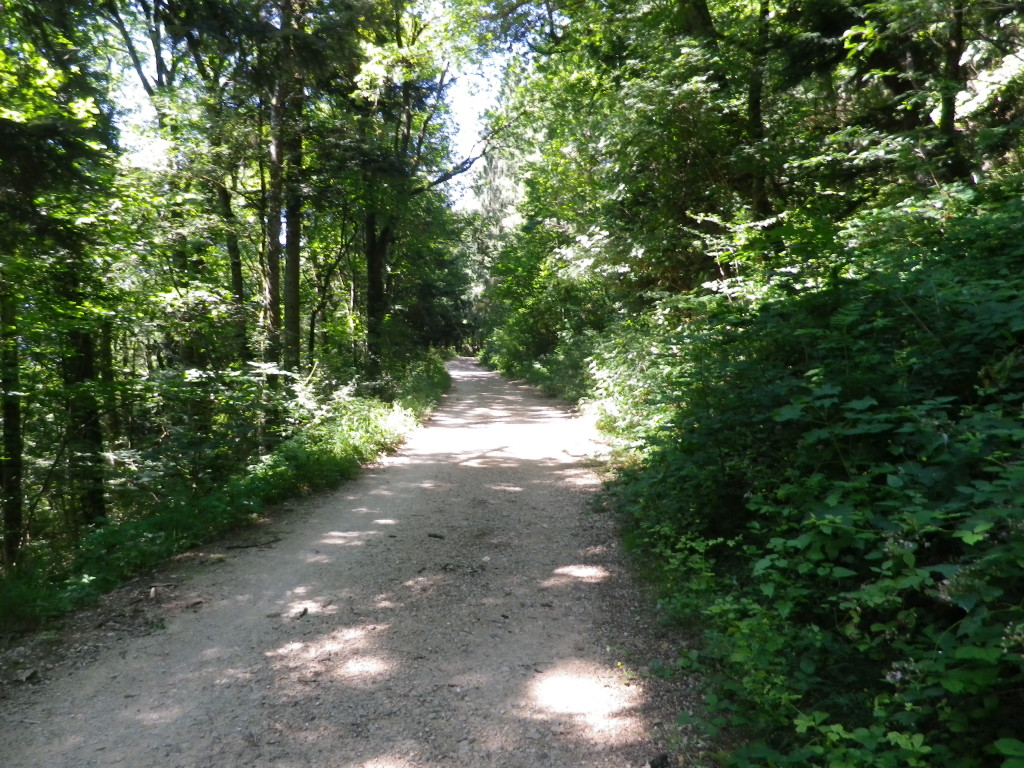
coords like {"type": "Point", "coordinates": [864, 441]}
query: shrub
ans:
{"type": "Point", "coordinates": [834, 490]}
{"type": "Point", "coordinates": [336, 436]}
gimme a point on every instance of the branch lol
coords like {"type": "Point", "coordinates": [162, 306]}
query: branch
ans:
{"type": "Point", "coordinates": [133, 53]}
{"type": "Point", "coordinates": [458, 169]}
{"type": "Point", "coordinates": [438, 100]}
{"type": "Point", "coordinates": [488, 141]}
{"type": "Point", "coordinates": [194, 47]}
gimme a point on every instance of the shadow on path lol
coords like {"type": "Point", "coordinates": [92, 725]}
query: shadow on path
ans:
{"type": "Point", "coordinates": [446, 609]}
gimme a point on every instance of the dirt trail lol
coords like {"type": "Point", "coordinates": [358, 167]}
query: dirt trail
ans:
{"type": "Point", "coordinates": [456, 606]}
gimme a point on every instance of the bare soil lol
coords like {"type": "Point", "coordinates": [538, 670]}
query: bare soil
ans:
{"type": "Point", "coordinates": [461, 604]}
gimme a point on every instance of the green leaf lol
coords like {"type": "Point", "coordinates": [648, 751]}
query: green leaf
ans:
{"type": "Point", "coordinates": [947, 570]}
{"type": "Point", "coordinates": [826, 390]}
{"type": "Point", "coordinates": [975, 533]}
{"type": "Point", "coordinates": [861, 405]}
{"type": "Point", "coordinates": [978, 653]}
{"type": "Point", "coordinates": [789, 412]}
{"type": "Point", "coordinates": [816, 436]}
{"type": "Point", "coordinates": [953, 684]}
{"type": "Point", "coordinates": [1009, 747]}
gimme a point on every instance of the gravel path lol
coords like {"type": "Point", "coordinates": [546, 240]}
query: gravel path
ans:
{"type": "Point", "coordinates": [458, 605]}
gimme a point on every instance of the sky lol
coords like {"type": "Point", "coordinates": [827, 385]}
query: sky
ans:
{"type": "Point", "coordinates": [473, 92]}
{"type": "Point", "coordinates": [471, 95]}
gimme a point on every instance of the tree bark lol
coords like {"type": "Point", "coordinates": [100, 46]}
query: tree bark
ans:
{"type": "Point", "coordinates": [954, 165]}
{"type": "Point", "coordinates": [112, 423]}
{"type": "Point", "coordinates": [272, 252]}
{"type": "Point", "coordinates": [697, 20]}
{"type": "Point", "coordinates": [293, 212]}
{"type": "Point", "coordinates": [234, 251]}
{"type": "Point", "coordinates": [85, 447]}
{"type": "Point", "coordinates": [759, 200]}
{"type": "Point", "coordinates": [323, 277]}
{"type": "Point", "coordinates": [377, 241]}
{"type": "Point", "coordinates": [291, 95]}
{"type": "Point", "coordinates": [11, 498]}
{"type": "Point", "coordinates": [84, 424]}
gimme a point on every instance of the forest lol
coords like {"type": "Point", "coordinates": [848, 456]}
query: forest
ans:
{"type": "Point", "coordinates": [776, 246]}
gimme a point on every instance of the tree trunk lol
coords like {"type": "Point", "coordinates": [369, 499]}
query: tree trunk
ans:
{"type": "Point", "coordinates": [11, 499]}
{"type": "Point", "coordinates": [954, 164]}
{"type": "Point", "coordinates": [234, 251]}
{"type": "Point", "coordinates": [292, 97]}
{"type": "Point", "coordinates": [272, 252]}
{"type": "Point", "coordinates": [294, 203]}
{"type": "Point", "coordinates": [759, 201]}
{"type": "Point", "coordinates": [113, 426]}
{"type": "Point", "coordinates": [696, 19]}
{"type": "Point", "coordinates": [377, 242]}
{"type": "Point", "coordinates": [84, 425]}
{"type": "Point", "coordinates": [323, 277]}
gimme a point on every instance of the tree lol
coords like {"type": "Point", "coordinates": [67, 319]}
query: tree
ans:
{"type": "Point", "coordinates": [402, 134]}
{"type": "Point", "coordinates": [294, 215]}
{"type": "Point", "coordinates": [11, 497]}
{"type": "Point", "coordinates": [51, 172]}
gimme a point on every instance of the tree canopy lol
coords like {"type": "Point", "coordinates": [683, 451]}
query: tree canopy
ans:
{"type": "Point", "coordinates": [216, 217]}
{"type": "Point", "coordinates": [775, 244]}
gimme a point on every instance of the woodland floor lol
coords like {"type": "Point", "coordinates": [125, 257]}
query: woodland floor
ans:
{"type": "Point", "coordinates": [458, 605]}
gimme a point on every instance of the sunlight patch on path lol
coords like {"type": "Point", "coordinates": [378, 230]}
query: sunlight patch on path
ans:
{"type": "Point", "coordinates": [600, 704]}
{"type": "Point", "coordinates": [387, 762]}
{"type": "Point", "coordinates": [161, 716]}
{"type": "Point", "coordinates": [350, 655]}
{"type": "Point", "coordinates": [570, 574]}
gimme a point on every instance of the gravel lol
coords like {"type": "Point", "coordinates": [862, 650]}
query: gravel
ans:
{"type": "Point", "coordinates": [460, 604]}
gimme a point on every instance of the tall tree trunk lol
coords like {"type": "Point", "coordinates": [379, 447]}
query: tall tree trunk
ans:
{"type": "Point", "coordinates": [272, 252]}
{"type": "Point", "coordinates": [105, 360]}
{"type": "Point", "coordinates": [84, 425]}
{"type": "Point", "coordinates": [954, 164]}
{"type": "Point", "coordinates": [759, 200]}
{"type": "Point", "coordinates": [377, 241]}
{"type": "Point", "coordinates": [696, 19]}
{"type": "Point", "coordinates": [271, 417]}
{"type": "Point", "coordinates": [11, 499]}
{"type": "Point", "coordinates": [353, 303]}
{"type": "Point", "coordinates": [293, 86]}
{"type": "Point", "coordinates": [294, 203]}
{"type": "Point", "coordinates": [321, 303]}
{"type": "Point", "coordinates": [234, 250]}
{"type": "Point", "coordinates": [85, 447]}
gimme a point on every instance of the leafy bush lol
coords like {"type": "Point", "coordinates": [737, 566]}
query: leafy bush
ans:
{"type": "Point", "coordinates": [334, 438]}
{"type": "Point", "coordinates": [423, 380]}
{"type": "Point", "coordinates": [834, 488]}
{"type": "Point", "coordinates": [542, 313]}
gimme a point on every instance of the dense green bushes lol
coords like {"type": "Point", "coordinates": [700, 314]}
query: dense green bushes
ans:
{"type": "Point", "coordinates": [331, 438]}
{"type": "Point", "coordinates": [543, 315]}
{"type": "Point", "coordinates": [834, 490]}
{"type": "Point", "coordinates": [806, 222]}
{"type": "Point", "coordinates": [824, 470]}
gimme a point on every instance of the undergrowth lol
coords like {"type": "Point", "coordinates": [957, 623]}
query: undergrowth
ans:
{"type": "Point", "coordinates": [331, 440]}
{"type": "Point", "coordinates": [545, 317]}
{"type": "Point", "coordinates": [823, 469]}
{"type": "Point", "coordinates": [831, 484]}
